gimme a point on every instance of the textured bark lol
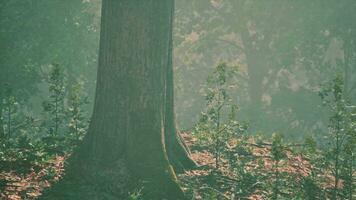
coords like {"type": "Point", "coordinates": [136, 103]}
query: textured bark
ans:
{"type": "Point", "coordinates": [133, 117]}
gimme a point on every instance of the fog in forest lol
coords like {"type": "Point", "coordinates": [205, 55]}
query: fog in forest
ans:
{"type": "Point", "coordinates": [283, 50]}
{"type": "Point", "coordinates": [269, 66]}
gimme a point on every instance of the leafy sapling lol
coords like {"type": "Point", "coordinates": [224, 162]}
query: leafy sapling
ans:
{"type": "Point", "coordinates": [311, 184]}
{"type": "Point", "coordinates": [54, 110]}
{"type": "Point", "coordinates": [217, 123]}
{"type": "Point", "coordinates": [341, 131]}
{"type": "Point", "coordinates": [77, 121]}
{"type": "Point", "coordinates": [54, 107]}
{"type": "Point", "coordinates": [278, 153]}
{"type": "Point", "coordinates": [11, 107]}
{"type": "Point", "coordinates": [349, 150]}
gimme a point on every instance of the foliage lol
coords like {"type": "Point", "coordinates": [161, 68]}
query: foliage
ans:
{"type": "Point", "coordinates": [311, 184]}
{"type": "Point", "coordinates": [317, 172]}
{"type": "Point", "coordinates": [25, 145]}
{"type": "Point", "coordinates": [54, 107]}
{"type": "Point", "coordinates": [341, 140]}
{"type": "Point", "coordinates": [282, 59]}
{"type": "Point", "coordinates": [77, 116]}
{"type": "Point", "coordinates": [10, 108]}
{"type": "Point", "coordinates": [216, 124]}
{"type": "Point", "coordinates": [278, 153]}
{"type": "Point", "coordinates": [136, 195]}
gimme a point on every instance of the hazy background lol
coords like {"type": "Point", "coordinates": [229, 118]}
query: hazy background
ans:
{"type": "Point", "coordinates": [284, 50]}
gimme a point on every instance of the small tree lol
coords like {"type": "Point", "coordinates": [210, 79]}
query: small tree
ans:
{"type": "Point", "coordinates": [54, 107]}
{"type": "Point", "coordinates": [349, 150]}
{"type": "Point", "coordinates": [311, 183]}
{"type": "Point", "coordinates": [10, 106]}
{"type": "Point", "coordinates": [16, 119]}
{"type": "Point", "coordinates": [77, 120]}
{"type": "Point", "coordinates": [278, 153]}
{"type": "Point", "coordinates": [340, 140]}
{"type": "Point", "coordinates": [216, 121]}
{"type": "Point", "coordinates": [54, 111]}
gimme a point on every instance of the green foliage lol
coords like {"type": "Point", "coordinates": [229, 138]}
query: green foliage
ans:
{"type": "Point", "coordinates": [136, 195]}
{"type": "Point", "coordinates": [30, 141]}
{"type": "Point", "coordinates": [77, 117]}
{"type": "Point", "coordinates": [341, 140]}
{"type": "Point", "coordinates": [278, 149]}
{"type": "Point", "coordinates": [311, 184]}
{"type": "Point", "coordinates": [64, 108]}
{"type": "Point", "coordinates": [248, 181]}
{"type": "Point", "coordinates": [278, 153]}
{"type": "Point", "coordinates": [10, 110]}
{"type": "Point", "coordinates": [217, 125]}
{"type": "Point", "coordinates": [19, 154]}
{"type": "Point", "coordinates": [311, 190]}
{"type": "Point", "coordinates": [54, 107]}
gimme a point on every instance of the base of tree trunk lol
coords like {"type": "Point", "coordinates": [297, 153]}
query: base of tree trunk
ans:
{"type": "Point", "coordinates": [179, 154]}
{"type": "Point", "coordinates": [116, 181]}
{"type": "Point", "coordinates": [92, 182]}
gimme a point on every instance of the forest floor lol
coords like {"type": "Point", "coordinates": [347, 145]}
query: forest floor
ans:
{"type": "Point", "coordinates": [15, 185]}
{"type": "Point", "coordinates": [256, 178]}
{"type": "Point", "coordinates": [202, 183]}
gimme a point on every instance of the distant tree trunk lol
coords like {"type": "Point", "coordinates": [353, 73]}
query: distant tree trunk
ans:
{"type": "Point", "coordinates": [133, 117]}
{"type": "Point", "coordinates": [257, 70]}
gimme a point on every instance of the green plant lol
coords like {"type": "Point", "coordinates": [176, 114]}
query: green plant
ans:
{"type": "Point", "coordinates": [311, 184]}
{"type": "Point", "coordinates": [77, 117]}
{"type": "Point", "coordinates": [54, 112]}
{"type": "Point", "coordinates": [10, 112]}
{"type": "Point", "coordinates": [341, 140]}
{"type": "Point", "coordinates": [218, 122]}
{"type": "Point", "coordinates": [54, 107]}
{"type": "Point", "coordinates": [277, 153]}
{"type": "Point", "coordinates": [349, 150]}
{"type": "Point", "coordinates": [136, 195]}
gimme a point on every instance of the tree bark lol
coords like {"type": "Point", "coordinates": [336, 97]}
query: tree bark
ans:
{"type": "Point", "coordinates": [133, 117]}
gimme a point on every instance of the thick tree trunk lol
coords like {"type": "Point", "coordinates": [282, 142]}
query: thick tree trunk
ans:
{"type": "Point", "coordinates": [133, 117]}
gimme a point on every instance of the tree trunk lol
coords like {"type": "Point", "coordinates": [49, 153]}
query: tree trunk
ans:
{"type": "Point", "coordinates": [257, 66]}
{"type": "Point", "coordinates": [178, 152]}
{"type": "Point", "coordinates": [133, 117]}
